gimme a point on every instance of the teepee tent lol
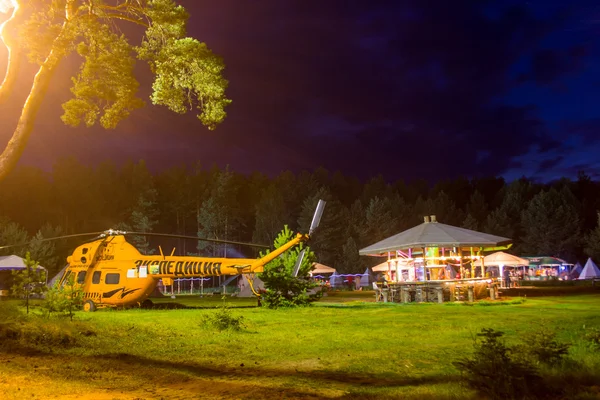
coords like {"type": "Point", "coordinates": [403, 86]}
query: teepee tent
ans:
{"type": "Point", "coordinates": [590, 270]}
{"type": "Point", "coordinates": [576, 271]}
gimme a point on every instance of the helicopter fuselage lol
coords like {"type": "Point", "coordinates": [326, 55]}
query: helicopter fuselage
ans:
{"type": "Point", "coordinates": [112, 272]}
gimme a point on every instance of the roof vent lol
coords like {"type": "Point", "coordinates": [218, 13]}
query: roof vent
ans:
{"type": "Point", "coordinates": [426, 218]}
{"type": "Point", "coordinates": [433, 218]}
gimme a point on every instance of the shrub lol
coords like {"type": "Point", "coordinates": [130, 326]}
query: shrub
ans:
{"type": "Point", "coordinates": [492, 370]}
{"type": "Point", "coordinates": [592, 336]}
{"type": "Point", "coordinates": [542, 347]}
{"type": "Point", "coordinates": [223, 319]}
{"type": "Point", "coordinates": [17, 329]}
{"type": "Point", "coordinates": [283, 288]}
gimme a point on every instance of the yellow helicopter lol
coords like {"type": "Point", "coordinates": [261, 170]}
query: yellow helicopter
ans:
{"type": "Point", "coordinates": [113, 273]}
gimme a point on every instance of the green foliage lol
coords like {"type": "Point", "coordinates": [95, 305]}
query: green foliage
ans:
{"type": "Point", "coordinates": [592, 241]}
{"type": "Point", "coordinates": [592, 336]}
{"type": "Point", "coordinates": [105, 87]}
{"type": "Point", "coordinates": [12, 233]}
{"type": "Point", "coordinates": [495, 372]}
{"type": "Point", "coordinates": [219, 215]}
{"type": "Point", "coordinates": [283, 289]}
{"type": "Point", "coordinates": [17, 329]}
{"type": "Point", "coordinates": [551, 223]}
{"type": "Point", "coordinates": [188, 74]}
{"type": "Point", "coordinates": [541, 346]}
{"type": "Point", "coordinates": [270, 215]}
{"type": "Point", "coordinates": [351, 261]}
{"type": "Point", "coordinates": [63, 300]}
{"type": "Point", "coordinates": [223, 319]}
{"type": "Point", "coordinates": [29, 281]}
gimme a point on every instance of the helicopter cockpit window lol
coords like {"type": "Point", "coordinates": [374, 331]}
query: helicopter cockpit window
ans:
{"type": "Point", "coordinates": [81, 277]}
{"type": "Point", "coordinates": [65, 279]}
{"type": "Point", "coordinates": [112, 279]}
{"type": "Point", "coordinates": [84, 250]}
{"type": "Point", "coordinates": [96, 277]}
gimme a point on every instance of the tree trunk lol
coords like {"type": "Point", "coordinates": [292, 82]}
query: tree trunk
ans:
{"type": "Point", "coordinates": [14, 53]}
{"type": "Point", "coordinates": [16, 145]}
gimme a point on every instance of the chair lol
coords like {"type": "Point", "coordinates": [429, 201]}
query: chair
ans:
{"type": "Point", "coordinates": [378, 293]}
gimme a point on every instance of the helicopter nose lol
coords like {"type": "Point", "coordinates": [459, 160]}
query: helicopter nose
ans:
{"type": "Point", "coordinates": [69, 259]}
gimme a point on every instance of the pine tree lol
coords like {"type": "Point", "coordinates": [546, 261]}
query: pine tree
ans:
{"type": "Point", "coordinates": [592, 241]}
{"type": "Point", "coordinates": [351, 262]}
{"type": "Point", "coordinates": [551, 223]}
{"type": "Point", "coordinates": [29, 281]}
{"type": "Point", "coordinates": [218, 216]}
{"type": "Point", "coordinates": [270, 215]}
{"type": "Point", "coordinates": [470, 223]}
{"type": "Point", "coordinates": [283, 288]}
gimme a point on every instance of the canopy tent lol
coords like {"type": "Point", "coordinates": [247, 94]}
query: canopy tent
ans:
{"type": "Point", "coordinates": [385, 266]}
{"type": "Point", "coordinates": [321, 269]}
{"type": "Point", "coordinates": [434, 234]}
{"type": "Point", "coordinates": [7, 265]}
{"type": "Point", "coordinates": [576, 271]}
{"type": "Point", "coordinates": [501, 258]}
{"type": "Point", "coordinates": [545, 261]}
{"type": "Point", "coordinates": [590, 270]}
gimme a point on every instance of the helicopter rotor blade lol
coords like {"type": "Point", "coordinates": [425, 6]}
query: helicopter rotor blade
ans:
{"type": "Point", "coordinates": [50, 239]}
{"type": "Point", "coordinates": [299, 263]}
{"type": "Point", "coordinates": [197, 238]}
{"type": "Point", "coordinates": [317, 216]}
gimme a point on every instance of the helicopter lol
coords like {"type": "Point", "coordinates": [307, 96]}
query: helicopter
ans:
{"type": "Point", "coordinates": [113, 273]}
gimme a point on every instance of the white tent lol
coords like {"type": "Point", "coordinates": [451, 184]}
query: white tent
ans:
{"type": "Point", "coordinates": [321, 269]}
{"type": "Point", "coordinates": [7, 265]}
{"type": "Point", "coordinates": [245, 289]}
{"type": "Point", "coordinates": [501, 258]}
{"type": "Point", "coordinates": [391, 265]}
{"type": "Point", "coordinates": [590, 270]}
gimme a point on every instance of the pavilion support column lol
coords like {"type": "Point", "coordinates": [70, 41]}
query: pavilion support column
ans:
{"type": "Point", "coordinates": [425, 264]}
{"type": "Point", "coordinates": [471, 294]}
{"type": "Point", "coordinates": [440, 295]}
{"type": "Point", "coordinates": [462, 268]}
{"type": "Point", "coordinates": [472, 265]}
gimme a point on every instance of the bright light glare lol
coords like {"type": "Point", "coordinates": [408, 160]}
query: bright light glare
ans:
{"type": "Point", "coordinates": [6, 5]}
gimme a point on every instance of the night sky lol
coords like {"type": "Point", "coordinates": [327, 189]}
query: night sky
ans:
{"type": "Point", "coordinates": [430, 89]}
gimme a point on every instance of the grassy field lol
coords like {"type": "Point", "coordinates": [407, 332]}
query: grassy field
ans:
{"type": "Point", "coordinates": [342, 347]}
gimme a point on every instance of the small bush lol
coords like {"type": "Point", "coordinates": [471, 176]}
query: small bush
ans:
{"type": "Point", "coordinates": [222, 320]}
{"type": "Point", "coordinates": [592, 336]}
{"type": "Point", "coordinates": [31, 331]}
{"type": "Point", "coordinates": [542, 347]}
{"type": "Point", "coordinates": [493, 371]}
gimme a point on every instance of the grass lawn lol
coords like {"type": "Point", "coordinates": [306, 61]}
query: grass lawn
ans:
{"type": "Point", "coordinates": [345, 346]}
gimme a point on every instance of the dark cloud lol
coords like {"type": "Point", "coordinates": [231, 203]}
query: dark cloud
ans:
{"type": "Point", "coordinates": [547, 65]}
{"type": "Point", "coordinates": [588, 131]}
{"type": "Point", "coordinates": [550, 163]}
{"type": "Point", "coordinates": [409, 89]}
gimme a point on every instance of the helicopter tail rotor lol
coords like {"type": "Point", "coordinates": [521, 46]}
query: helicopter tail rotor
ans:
{"type": "Point", "coordinates": [317, 216]}
{"type": "Point", "coordinates": [298, 263]}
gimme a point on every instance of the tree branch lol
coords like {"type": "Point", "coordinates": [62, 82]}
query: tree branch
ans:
{"type": "Point", "coordinates": [124, 18]}
{"type": "Point", "coordinates": [14, 56]}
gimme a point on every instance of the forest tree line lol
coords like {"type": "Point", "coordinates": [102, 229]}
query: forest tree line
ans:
{"type": "Point", "coordinates": [558, 218]}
